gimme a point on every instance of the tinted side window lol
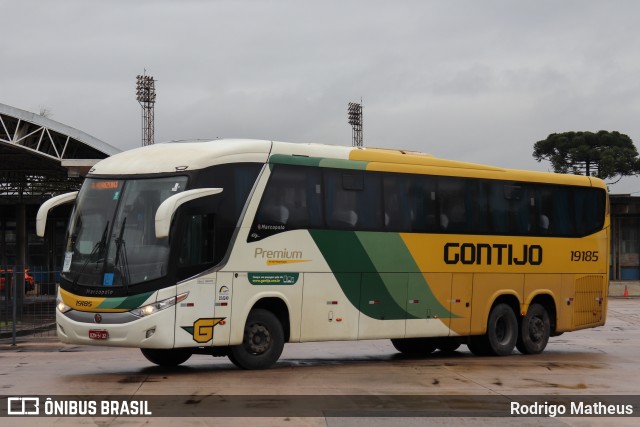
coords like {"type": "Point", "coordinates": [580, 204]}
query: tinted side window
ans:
{"type": "Point", "coordinates": [477, 206]}
{"type": "Point", "coordinates": [498, 207]}
{"type": "Point", "coordinates": [291, 200]}
{"type": "Point", "coordinates": [453, 211]}
{"type": "Point", "coordinates": [589, 207]}
{"type": "Point", "coordinates": [423, 202]}
{"type": "Point", "coordinates": [410, 203]}
{"type": "Point", "coordinates": [553, 207]}
{"type": "Point", "coordinates": [352, 200]}
{"type": "Point", "coordinates": [398, 206]}
{"type": "Point", "coordinates": [517, 196]}
{"type": "Point", "coordinates": [300, 197]}
{"type": "Point", "coordinates": [370, 203]}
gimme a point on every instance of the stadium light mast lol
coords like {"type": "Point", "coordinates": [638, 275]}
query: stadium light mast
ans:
{"type": "Point", "coordinates": [355, 120]}
{"type": "Point", "coordinates": [146, 96]}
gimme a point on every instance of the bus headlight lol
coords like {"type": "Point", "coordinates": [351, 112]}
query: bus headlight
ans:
{"type": "Point", "coordinates": [155, 307]}
{"type": "Point", "coordinates": [62, 307]}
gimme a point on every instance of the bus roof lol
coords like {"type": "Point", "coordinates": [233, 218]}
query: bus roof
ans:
{"type": "Point", "coordinates": [190, 155]}
{"type": "Point", "coordinates": [183, 155]}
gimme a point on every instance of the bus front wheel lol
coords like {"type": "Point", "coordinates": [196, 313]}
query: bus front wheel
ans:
{"type": "Point", "coordinates": [535, 330]}
{"type": "Point", "coordinates": [262, 343]}
{"type": "Point", "coordinates": [167, 357]}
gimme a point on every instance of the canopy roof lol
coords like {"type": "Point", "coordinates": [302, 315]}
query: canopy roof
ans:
{"type": "Point", "coordinates": [38, 155]}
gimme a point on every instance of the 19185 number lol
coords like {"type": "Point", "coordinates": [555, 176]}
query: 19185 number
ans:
{"type": "Point", "coordinates": [587, 256]}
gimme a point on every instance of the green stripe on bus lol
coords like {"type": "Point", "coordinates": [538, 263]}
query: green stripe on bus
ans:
{"type": "Point", "coordinates": [376, 271]}
{"type": "Point", "coordinates": [389, 253]}
{"type": "Point", "coordinates": [358, 277]}
{"type": "Point", "coordinates": [128, 303]}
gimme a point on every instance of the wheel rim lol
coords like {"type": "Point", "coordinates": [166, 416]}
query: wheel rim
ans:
{"type": "Point", "coordinates": [258, 339]}
{"type": "Point", "coordinates": [536, 329]}
{"type": "Point", "coordinates": [501, 330]}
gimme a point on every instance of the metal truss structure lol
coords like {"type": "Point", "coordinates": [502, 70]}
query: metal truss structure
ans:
{"type": "Point", "coordinates": [355, 120]}
{"type": "Point", "coordinates": [32, 149]}
{"type": "Point", "coordinates": [146, 96]}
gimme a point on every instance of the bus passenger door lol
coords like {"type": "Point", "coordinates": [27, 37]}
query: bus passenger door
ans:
{"type": "Point", "coordinates": [328, 310]}
{"type": "Point", "coordinates": [461, 295]}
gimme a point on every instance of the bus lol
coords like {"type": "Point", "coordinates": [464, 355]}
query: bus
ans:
{"type": "Point", "coordinates": [236, 247]}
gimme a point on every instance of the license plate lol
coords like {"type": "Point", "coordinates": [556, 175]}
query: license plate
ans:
{"type": "Point", "coordinates": [98, 334]}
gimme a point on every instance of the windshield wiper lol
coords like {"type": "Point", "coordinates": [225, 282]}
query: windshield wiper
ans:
{"type": "Point", "coordinates": [121, 257]}
{"type": "Point", "coordinates": [97, 249]}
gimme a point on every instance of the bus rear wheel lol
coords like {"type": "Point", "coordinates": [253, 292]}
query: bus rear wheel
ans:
{"type": "Point", "coordinates": [262, 343]}
{"type": "Point", "coordinates": [414, 345]}
{"type": "Point", "coordinates": [502, 330]}
{"type": "Point", "coordinates": [534, 331]}
{"type": "Point", "coordinates": [167, 357]}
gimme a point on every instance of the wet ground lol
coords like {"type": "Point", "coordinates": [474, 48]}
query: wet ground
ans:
{"type": "Point", "coordinates": [595, 362]}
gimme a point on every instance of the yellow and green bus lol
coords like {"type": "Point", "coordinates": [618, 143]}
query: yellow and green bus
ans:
{"type": "Point", "coordinates": [236, 247]}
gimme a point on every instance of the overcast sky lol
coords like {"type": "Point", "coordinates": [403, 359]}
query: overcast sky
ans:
{"type": "Point", "coordinates": [470, 80]}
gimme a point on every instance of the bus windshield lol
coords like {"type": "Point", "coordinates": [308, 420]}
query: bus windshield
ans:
{"type": "Point", "coordinates": [111, 239]}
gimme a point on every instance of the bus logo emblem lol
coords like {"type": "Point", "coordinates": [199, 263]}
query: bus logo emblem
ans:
{"type": "Point", "coordinates": [202, 329]}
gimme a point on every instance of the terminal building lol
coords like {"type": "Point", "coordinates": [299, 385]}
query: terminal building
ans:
{"type": "Point", "coordinates": [39, 157]}
{"type": "Point", "coordinates": [625, 237]}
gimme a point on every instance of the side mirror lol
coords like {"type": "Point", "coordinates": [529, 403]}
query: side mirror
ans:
{"type": "Point", "coordinates": [43, 212]}
{"type": "Point", "coordinates": [165, 211]}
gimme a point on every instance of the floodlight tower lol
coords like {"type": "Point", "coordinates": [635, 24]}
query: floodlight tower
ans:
{"type": "Point", "coordinates": [146, 96]}
{"type": "Point", "coordinates": [355, 120]}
